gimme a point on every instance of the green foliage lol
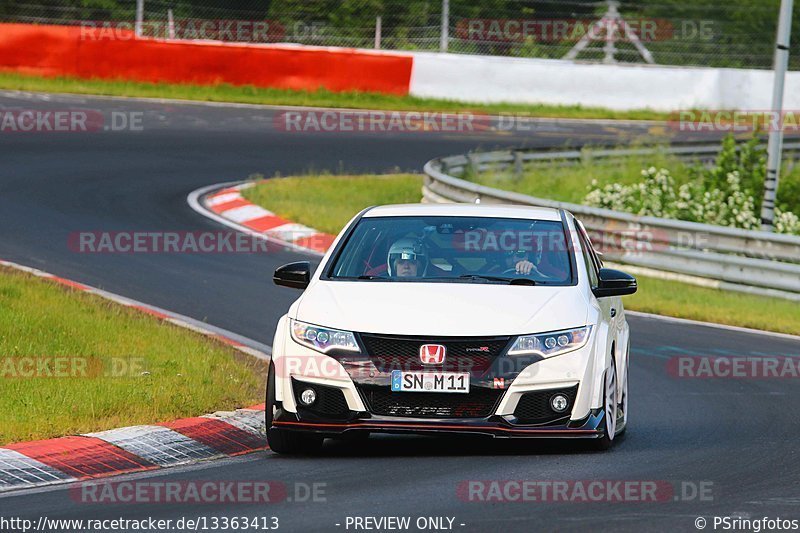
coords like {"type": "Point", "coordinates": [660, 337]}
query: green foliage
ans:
{"type": "Point", "coordinates": [726, 33]}
{"type": "Point", "coordinates": [749, 161]}
{"type": "Point", "coordinates": [727, 193]}
{"type": "Point", "coordinates": [89, 10]}
{"type": "Point", "coordinates": [789, 189]}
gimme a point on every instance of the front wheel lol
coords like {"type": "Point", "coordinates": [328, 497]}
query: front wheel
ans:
{"type": "Point", "coordinates": [622, 411]}
{"type": "Point", "coordinates": [610, 408]}
{"type": "Point", "coordinates": [280, 440]}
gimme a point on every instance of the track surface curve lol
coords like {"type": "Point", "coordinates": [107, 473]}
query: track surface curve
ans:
{"type": "Point", "coordinates": [740, 435]}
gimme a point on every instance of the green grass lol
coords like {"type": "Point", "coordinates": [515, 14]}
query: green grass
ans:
{"type": "Point", "coordinates": [162, 371]}
{"type": "Point", "coordinates": [681, 300]}
{"type": "Point", "coordinates": [328, 202]}
{"type": "Point", "coordinates": [319, 98]}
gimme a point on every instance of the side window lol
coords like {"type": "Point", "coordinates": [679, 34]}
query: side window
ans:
{"type": "Point", "coordinates": [592, 263]}
{"type": "Point", "coordinates": [366, 246]}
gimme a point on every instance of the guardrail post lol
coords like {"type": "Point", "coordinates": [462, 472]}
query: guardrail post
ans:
{"type": "Point", "coordinates": [472, 165]}
{"type": "Point", "coordinates": [586, 156]}
{"type": "Point", "coordinates": [518, 165]}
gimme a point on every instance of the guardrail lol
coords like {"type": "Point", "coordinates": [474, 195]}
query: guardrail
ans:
{"type": "Point", "coordinates": [743, 260]}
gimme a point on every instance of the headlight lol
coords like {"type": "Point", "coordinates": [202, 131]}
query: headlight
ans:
{"type": "Point", "coordinates": [323, 339]}
{"type": "Point", "coordinates": [553, 343]}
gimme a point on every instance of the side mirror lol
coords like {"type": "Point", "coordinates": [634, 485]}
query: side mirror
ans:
{"type": "Point", "coordinates": [294, 275]}
{"type": "Point", "coordinates": [614, 283]}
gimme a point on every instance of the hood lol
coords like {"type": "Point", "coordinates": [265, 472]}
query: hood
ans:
{"type": "Point", "coordinates": [441, 309]}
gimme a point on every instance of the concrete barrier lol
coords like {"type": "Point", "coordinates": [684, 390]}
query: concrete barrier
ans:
{"type": "Point", "coordinates": [72, 51]}
{"type": "Point", "coordinates": [486, 79]}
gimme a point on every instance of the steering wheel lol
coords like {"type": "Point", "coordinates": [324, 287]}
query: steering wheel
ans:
{"type": "Point", "coordinates": [510, 271]}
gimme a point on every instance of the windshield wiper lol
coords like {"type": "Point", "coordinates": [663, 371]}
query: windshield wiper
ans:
{"type": "Point", "coordinates": [510, 281]}
{"type": "Point", "coordinates": [351, 278]}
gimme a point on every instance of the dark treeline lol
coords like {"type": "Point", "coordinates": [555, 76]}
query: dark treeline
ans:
{"type": "Point", "coordinates": [736, 33]}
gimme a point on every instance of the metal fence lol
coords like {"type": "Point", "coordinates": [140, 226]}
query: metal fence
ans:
{"type": "Point", "coordinates": [743, 260]}
{"type": "Point", "coordinates": [725, 33]}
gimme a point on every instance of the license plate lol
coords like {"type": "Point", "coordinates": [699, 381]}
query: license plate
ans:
{"type": "Point", "coordinates": [430, 381]}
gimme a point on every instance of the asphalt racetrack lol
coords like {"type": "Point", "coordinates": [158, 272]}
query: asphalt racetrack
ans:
{"type": "Point", "coordinates": [727, 447]}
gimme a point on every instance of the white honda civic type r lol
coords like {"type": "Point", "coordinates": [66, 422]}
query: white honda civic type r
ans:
{"type": "Point", "coordinates": [452, 318]}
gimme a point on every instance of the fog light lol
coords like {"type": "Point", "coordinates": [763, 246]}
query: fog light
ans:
{"type": "Point", "coordinates": [308, 396]}
{"type": "Point", "coordinates": [559, 403]}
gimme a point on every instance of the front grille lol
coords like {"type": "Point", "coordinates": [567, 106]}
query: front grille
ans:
{"type": "Point", "coordinates": [534, 407]}
{"type": "Point", "coordinates": [478, 403]}
{"type": "Point", "coordinates": [330, 400]}
{"type": "Point", "coordinates": [474, 355]}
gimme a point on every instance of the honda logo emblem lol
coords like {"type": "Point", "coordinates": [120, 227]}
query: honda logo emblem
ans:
{"type": "Point", "coordinates": [432, 354]}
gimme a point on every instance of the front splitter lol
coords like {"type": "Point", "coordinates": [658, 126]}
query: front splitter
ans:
{"type": "Point", "coordinates": [589, 428]}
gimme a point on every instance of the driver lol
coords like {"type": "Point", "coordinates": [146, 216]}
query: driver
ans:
{"type": "Point", "coordinates": [407, 258]}
{"type": "Point", "coordinates": [521, 261]}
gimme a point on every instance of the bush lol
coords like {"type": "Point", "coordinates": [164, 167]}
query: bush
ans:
{"type": "Point", "coordinates": [726, 194]}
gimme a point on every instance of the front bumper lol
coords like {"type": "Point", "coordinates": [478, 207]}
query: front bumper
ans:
{"type": "Point", "coordinates": [348, 378]}
{"type": "Point", "coordinates": [494, 426]}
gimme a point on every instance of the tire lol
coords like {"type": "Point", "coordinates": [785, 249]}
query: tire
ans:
{"type": "Point", "coordinates": [622, 410]}
{"type": "Point", "coordinates": [282, 441]}
{"type": "Point", "coordinates": [610, 409]}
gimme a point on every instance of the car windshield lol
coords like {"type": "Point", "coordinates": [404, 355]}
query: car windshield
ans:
{"type": "Point", "coordinates": [455, 249]}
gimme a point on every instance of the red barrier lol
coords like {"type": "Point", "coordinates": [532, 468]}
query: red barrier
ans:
{"type": "Point", "coordinates": [69, 51]}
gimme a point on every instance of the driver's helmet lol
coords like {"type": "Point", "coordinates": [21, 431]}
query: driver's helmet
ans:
{"type": "Point", "coordinates": [411, 249]}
